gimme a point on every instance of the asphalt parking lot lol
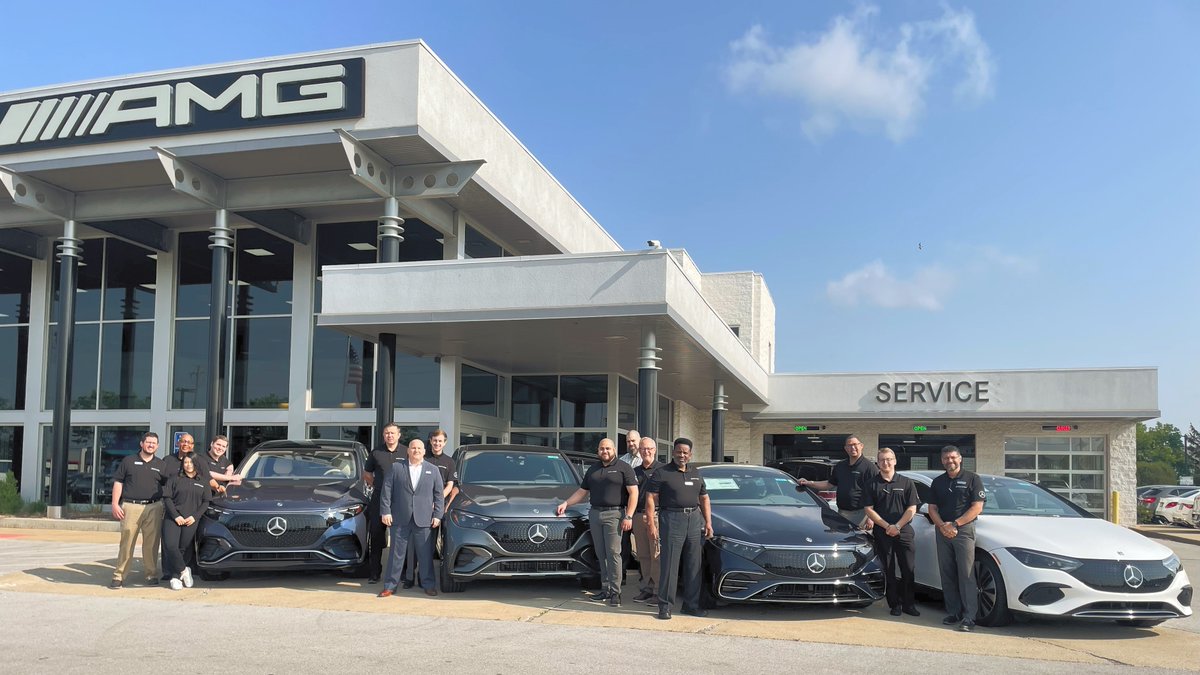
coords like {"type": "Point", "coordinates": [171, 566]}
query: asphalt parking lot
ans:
{"type": "Point", "coordinates": [79, 564]}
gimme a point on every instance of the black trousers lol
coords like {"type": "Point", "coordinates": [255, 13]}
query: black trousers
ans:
{"type": "Point", "coordinates": [178, 543]}
{"type": "Point", "coordinates": [376, 540]}
{"type": "Point", "coordinates": [897, 552]}
{"type": "Point", "coordinates": [681, 537]}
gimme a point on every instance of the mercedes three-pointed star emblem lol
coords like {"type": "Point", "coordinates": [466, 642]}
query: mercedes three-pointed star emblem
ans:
{"type": "Point", "coordinates": [816, 563]}
{"type": "Point", "coordinates": [538, 533]}
{"type": "Point", "coordinates": [1133, 576]}
{"type": "Point", "coordinates": [276, 526]}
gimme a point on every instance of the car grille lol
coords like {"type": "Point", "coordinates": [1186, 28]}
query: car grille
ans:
{"type": "Point", "coordinates": [1109, 575]}
{"type": "Point", "coordinates": [795, 563]}
{"type": "Point", "coordinates": [532, 566]}
{"type": "Point", "coordinates": [1126, 610]}
{"type": "Point", "coordinates": [514, 536]}
{"type": "Point", "coordinates": [813, 593]}
{"type": "Point", "coordinates": [303, 530]}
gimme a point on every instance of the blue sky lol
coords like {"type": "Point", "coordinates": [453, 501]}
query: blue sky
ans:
{"type": "Point", "coordinates": [924, 186]}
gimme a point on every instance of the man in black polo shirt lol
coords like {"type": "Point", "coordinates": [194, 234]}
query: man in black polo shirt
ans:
{"type": "Point", "coordinates": [376, 471]}
{"type": "Point", "coordinates": [137, 503]}
{"type": "Point", "coordinates": [444, 463]}
{"type": "Point", "coordinates": [891, 504]}
{"type": "Point", "coordinates": [958, 499]}
{"type": "Point", "coordinates": [677, 496]}
{"type": "Point", "coordinates": [215, 462]}
{"type": "Point", "coordinates": [646, 545]}
{"type": "Point", "coordinates": [614, 496]}
{"type": "Point", "coordinates": [851, 477]}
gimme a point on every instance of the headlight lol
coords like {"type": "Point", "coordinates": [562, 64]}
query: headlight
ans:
{"type": "Point", "coordinates": [465, 519]}
{"type": "Point", "coordinates": [740, 548]}
{"type": "Point", "coordinates": [1172, 563]}
{"type": "Point", "coordinates": [335, 516]}
{"type": "Point", "coordinates": [1044, 561]}
{"type": "Point", "coordinates": [218, 514]}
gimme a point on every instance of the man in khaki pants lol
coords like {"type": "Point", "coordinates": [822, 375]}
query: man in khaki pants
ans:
{"type": "Point", "coordinates": [137, 503]}
{"type": "Point", "coordinates": [644, 465]}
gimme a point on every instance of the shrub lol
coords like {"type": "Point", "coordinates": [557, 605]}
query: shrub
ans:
{"type": "Point", "coordinates": [10, 499]}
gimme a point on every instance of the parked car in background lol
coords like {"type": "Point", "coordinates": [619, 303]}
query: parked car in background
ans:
{"type": "Point", "coordinates": [1038, 554]}
{"type": "Point", "coordinates": [503, 525]}
{"type": "Point", "coordinates": [1149, 499]}
{"type": "Point", "coordinates": [300, 506]}
{"type": "Point", "coordinates": [1177, 509]}
{"type": "Point", "coordinates": [776, 542]}
{"type": "Point", "coordinates": [809, 468]}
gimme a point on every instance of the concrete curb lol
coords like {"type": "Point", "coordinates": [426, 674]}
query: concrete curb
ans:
{"type": "Point", "coordinates": [78, 525]}
{"type": "Point", "coordinates": [1181, 538]}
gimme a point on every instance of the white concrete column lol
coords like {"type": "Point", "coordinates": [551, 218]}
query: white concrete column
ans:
{"type": "Point", "coordinates": [164, 353]}
{"type": "Point", "coordinates": [455, 246]}
{"type": "Point", "coordinates": [35, 380]}
{"type": "Point", "coordinates": [299, 392]}
{"type": "Point", "coordinates": [449, 395]}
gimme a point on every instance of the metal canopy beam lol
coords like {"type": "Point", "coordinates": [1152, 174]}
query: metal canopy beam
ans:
{"type": "Point", "coordinates": [192, 180]}
{"type": "Point", "coordinates": [287, 224]}
{"type": "Point", "coordinates": [38, 195]}
{"type": "Point", "coordinates": [23, 243]}
{"type": "Point", "coordinates": [412, 181]}
{"type": "Point", "coordinates": [140, 231]}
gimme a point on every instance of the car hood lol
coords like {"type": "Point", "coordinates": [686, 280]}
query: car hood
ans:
{"type": "Point", "coordinates": [515, 502]}
{"type": "Point", "coordinates": [783, 525]}
{"type": "Point", "coordinates": [271, 495]}
{"type": "Point", "coordinates": [1089, 538]}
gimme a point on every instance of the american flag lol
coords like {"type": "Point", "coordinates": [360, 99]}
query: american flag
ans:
{"type": "Point", "coordinates": [354, 373]}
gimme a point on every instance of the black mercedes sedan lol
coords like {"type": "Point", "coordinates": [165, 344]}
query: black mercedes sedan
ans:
{"type": "Point", "coordinates": [502, 524]}
{"type": "Point", "coordinates": [300, 506]}
{"type": "Point", "coordinates": [773, 542]}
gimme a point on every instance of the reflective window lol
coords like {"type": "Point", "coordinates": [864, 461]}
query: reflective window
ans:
{"type": "Point", "coordinates": [14, 351]}
{"type": "Point", "coordinates": [263, 274]}
{"type": "Point", "coordinates": [584, 401]}
{"type": "Point", "coordinates": [189, 379]}
{"type": "Point", "coordinates": [586, 441]}
{"type": "Point", "coordinates": [193, 260]}
{"type": "Point", "coordinates": [89, 282]}
{"type": "Point", "coordinates": [664, 418]}
{"type": "Point", "coordinates": [16, 275]}
{"type": "Point", "coordinates": [341, 370]}
{"type": "Point", "coordinates": [479, 391]}
{"type": "Point", "coordinates": [418, 381]}
{"type": "Point", "coordinates": [548, 440]}
{"type": "Point", "coordinates": [533, 400]}
{"type": "Point", "coordinates": [126, 357]}
{"type": "Point", "coordinates": [478, 245]}
{"type": "Point", "coordinates": [243, 439]}
{"type": "Point", "coordinates": [93, 454]}
{"type": "Point", "coordinates": [261, 362]}
{"type": "Point", "coordinates": [342, 433]}
{"type": "Point", "coordinates": [627, 404]}
{"type": "Point", "coordinates": [11, 440]}
{"type": "Point", "coordinates": [130, 272]}
{"type": "Point", "coordinates": [84, 367]}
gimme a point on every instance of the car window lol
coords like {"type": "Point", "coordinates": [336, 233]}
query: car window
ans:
{"type": "Point", "coordinates": [301, 464]}
{"type": "Point", "coordinates": [1012, 497]}
{"type": "Point", "coordinates": [509, 468]}
{"type": "Point", "coordinates": [753, 486]}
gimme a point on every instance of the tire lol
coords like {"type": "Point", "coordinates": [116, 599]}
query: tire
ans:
{"type": "Point", "coordinates": [708, 594]}
{"type": "Point", "coordinates": [993, 597]}
{"type": "Point", "coordinates": [448, 584]}
{"type": "Point", "coordinates": [1140, 623]}
{"type": "Point", "coordinates": [208, 575]}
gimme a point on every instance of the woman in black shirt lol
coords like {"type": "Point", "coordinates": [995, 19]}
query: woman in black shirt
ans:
{"type": "Point", "coordinates": [185, 499]}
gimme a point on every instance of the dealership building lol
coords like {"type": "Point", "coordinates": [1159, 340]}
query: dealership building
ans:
{"type": "Point", "coordinates": [361, 208]}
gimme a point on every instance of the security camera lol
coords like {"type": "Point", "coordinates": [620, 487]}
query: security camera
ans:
{"type": "Point", "coordinates": [654, 243]}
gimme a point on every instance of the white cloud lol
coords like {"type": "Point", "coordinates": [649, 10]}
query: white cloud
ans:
{"type": "Point", "coordinates": [873, 284]}
{"type": "Point", "coordinates": [853, 74]}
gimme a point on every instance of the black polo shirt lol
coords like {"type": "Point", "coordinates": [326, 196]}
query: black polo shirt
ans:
{"type": "Point", "coordinates": [186, 496]}
{"type": "Point", "coordinates": [379, 464]}
{"type": "Point", "coordinates": [891, 499]}
{"type": "Point", "coordinates": [606, 485]}
{"type": "Point", "coordinates": [210, 465]}
{"type": "Point", "coordinates": [676, 489]}
{"type": "Point", "coordinates": [953, 496]}
{"type": "Point", "coordinates": [444, 464]}
{"type": "Point", "coordinates": [851, 481]}
{"type": "Point", "coordinates": [643, 476]}
{"type": "Point", "coordinates": [139, 479]}
{"type": "Point", "coordinates": [174, 463]}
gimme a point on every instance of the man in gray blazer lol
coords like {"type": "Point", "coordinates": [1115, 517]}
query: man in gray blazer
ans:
{"type": "Point", "coordinates": [410, 504]}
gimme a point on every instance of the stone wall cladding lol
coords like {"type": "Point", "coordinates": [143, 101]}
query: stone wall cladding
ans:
{"type": "Point", "coordinates": [742, 299]}
{"type": "Point", "coordinates": [744, 441]}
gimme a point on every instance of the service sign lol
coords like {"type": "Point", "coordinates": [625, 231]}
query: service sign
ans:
{"type": "Point", "coordinates": [309, 92]}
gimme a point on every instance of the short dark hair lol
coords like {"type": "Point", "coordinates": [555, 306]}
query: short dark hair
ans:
{"type": "Point", "coordinates": [149, 434]}
{"type": "Point", "coordinates": [683, 441]}
{"type": "Point", "coordinates": [390, 424]}
{"type": "Point", "coordinates": [219, 437]}
{"type": "Point", "coordinates": [439, 432]}
{"type": "Point", "coordinates": [949, 449]}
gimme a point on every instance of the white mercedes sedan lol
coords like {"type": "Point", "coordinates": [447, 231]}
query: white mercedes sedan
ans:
{"type": "Point", "coordinates": [1038, 554]}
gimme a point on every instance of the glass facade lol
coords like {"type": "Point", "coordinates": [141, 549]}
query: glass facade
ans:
{"type": "Point", "coordinates": [11, 440]}
{"type": "Point", "coordinates": [480, 391]}
{"type": "Point", "coordinates": [1072, 466]}
{"type": "Point", "coordinates": [93, 453]}
{"type": "Point", "coordinates": [16, 278]}
{"type": "Point", "coordinates": [114, 329]}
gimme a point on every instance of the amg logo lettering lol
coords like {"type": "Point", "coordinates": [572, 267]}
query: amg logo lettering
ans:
{"type": "Point", "coordinates": [208, 103]}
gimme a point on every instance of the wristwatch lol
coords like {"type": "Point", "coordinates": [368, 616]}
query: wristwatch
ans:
{"type": "Point", "coordinates": [626, 517]}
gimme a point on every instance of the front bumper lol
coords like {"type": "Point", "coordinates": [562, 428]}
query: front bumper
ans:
{"type": "Point", "coordinates": [1046, 592]}
{"type": "Point", "coordinates": [472, 554]}
{"type": "Point", "coordinates": [246, 544]}
{"type": "Point", "coordinates": [736, 579]}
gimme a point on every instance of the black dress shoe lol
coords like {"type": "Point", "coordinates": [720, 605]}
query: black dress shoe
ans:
{"type": "Point", "coordinates": [664, 612]}
{"type": "Point", "coordinates": [407, 585]}
{"type": "Point", "coordinates": [643, 596]}
{"type": "Point", "coordinates": [600, 597]}
{"type": "Point", "coordinates": [951, 620]}
{"type": "Point", "coordinates": [895, 611]}
{"type": "Point", "coordinates": [373, 580]}
{"type": "Point", "coordinates": [115, 583]}
{"type": "Point", "coordinates": [696, 611]}
{"type": "Point", "coordinates": [911, 611]}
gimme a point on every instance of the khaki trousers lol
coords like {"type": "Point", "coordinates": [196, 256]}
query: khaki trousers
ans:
{"type": "Point", "coordinates": [146, 520]}
{"type": "Point", "coordinates": [647, 552]}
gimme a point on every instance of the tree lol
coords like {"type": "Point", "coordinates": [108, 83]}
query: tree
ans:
{"type": "Point", "coordinates": [1191, 450]}
{"type": "Point", "coordinates": [1156, 473]}
{"type": "Point", "coordinates": [1162, 443]}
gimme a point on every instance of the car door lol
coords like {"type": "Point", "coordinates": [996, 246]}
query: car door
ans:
{"type": "Point", "coordinates": [925, 542]}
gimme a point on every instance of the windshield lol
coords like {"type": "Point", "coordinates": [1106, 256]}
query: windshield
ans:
{"type": "Point", "coordinates": [301, 464]}
{"type": "Point", "coordinates": [753, 486]}
{"type": "Point", "coordinates": [1012, 497]}
{"type": "Point", "coordinates": [516, 468]}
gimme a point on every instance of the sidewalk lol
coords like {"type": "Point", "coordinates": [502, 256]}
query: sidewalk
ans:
{"type": "Point", "coordinates": [71, 524]}
{"type": "Point", "coordinates": [1182, 535]}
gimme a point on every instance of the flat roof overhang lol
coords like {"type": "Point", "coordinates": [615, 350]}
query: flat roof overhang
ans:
{"type": "Point", "coordinates": [550, 314]}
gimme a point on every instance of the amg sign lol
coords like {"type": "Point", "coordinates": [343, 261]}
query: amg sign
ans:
{"type": "Point", "coordinates": [291, 95]}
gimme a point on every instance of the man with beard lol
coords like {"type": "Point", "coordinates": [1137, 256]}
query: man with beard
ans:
{"type": "Point", "coordinates": [850, 477]}
{"type": "Point", "coordinates": [677, 496]}
{"type": "Point", "coordinates": [957, 501]}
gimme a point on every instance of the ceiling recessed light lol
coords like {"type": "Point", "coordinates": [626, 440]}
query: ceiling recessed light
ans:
{"type": "Point", "coordinates": [440, 240]}
{"type": "Point", "coordinates": [260, 252]}
{"type": "Point", "coordinates": [152, 256]}
{"type": "Point", "coordinates": [615, 338]}
{"type": "Point", "coordinates": [362, 246]}
{"type": "Point", "coordinates": [148, 286]}
{"type": "Point", "coordinates": [523, 241]}
{"type": "Point", "coordinates": [242, 283]}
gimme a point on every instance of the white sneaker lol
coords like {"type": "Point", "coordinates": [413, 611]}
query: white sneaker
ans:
{"type": "Point", "coordinates": [176, 585]}
{"type": "Point", "coordinates": [186, 577]}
